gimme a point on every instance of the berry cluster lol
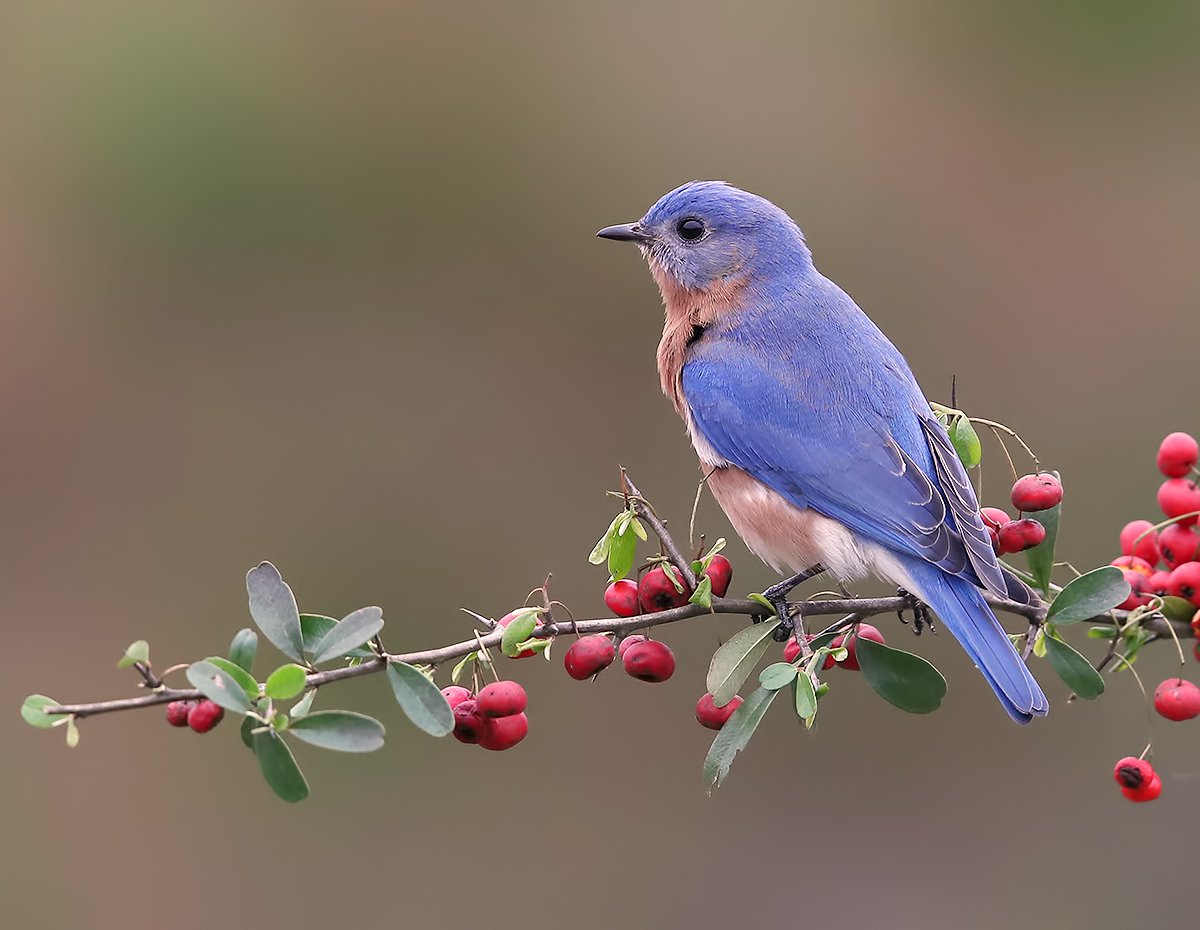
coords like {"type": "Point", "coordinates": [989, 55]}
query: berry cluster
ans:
{"type": "Point", "coordinates": [200, 715]}
{"type": "Point", "coordinates": [662, 588]}
{"type": "Point", "coordinates": [494, 718]}
{"type": "Point", "coordinates": [1030, 494]}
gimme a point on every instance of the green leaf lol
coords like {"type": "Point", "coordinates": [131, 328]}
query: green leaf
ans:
{"type": "Point", "coordinates": [273, 607]}
{"type": "Point", "coordinates": [674, 576]}
{"type": "Point", "coordinates": [461, 668]}
{"type": "Point", "coordinates": [286, 682]}
{"type": "Point", "coordinates": [238, 674]}
{"type": "Point", "coordinates": [1177, 608]}
{"type": "Point", "coordinates": [1102, 632]}
{"type": "Point", "coordinates": [138, 651]}
{"type": "Point", "coordinates": [600, 552]}
{"type": "Point", "coordinates": [34, 712]}
{"type": "Point", "coordinates": [902, 679]}
{"type": "Point", "coordinates": [72, 732]}
{"type": "Point", "coordinates": [735, 735]}
{"type": "Point", "coordinates": [621, 552]}
{"type": "Point", "coordinates": [420, 699]}
{"type": "Point", "coordinates": [218, 685]}
{"type": "Point", "coordinates": [304, 705]}
{"type": "Point", "coordinates": [966, 442]}
{"type": "Point", "coordinates": [243, 648]}
{"type": "Point", "coordinates": [315, 627]}
{"type": "Point", "coordinates": [248, 724]}
{"type": "Point", "coordinates": [806, 700]}
{"type": "Point", "coordinates": [1089, 595]}
{"type": "Point", "coordinates": [348, 634]}
{"type": "Point", "coordinates": [519, 630]}
{"type": "Point", "coordinates": [733, 662]}
{"type": "Point", "coordinates": [279, 766]}
{"type": "Point", "coordinates": [342, 730]}
{"type": "Point", "coordinates": [1074, 669]}
{"type": "Point", "coordinates": [703, 594]}
{"type": "Point", "coordinates": [776, 676]}
{"type": "Point", "coordinates": [1041, 557]}
{"type": "Point", "coordinates": [638, 529]}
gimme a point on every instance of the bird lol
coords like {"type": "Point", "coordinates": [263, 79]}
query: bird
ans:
{"type": "Point", "coordinates": [818, 443]}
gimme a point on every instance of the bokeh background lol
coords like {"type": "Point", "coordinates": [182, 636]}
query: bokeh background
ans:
{"type": "Point", "coordinates": [317, 283]}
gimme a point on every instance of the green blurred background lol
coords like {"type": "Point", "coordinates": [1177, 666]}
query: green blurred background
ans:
{"type": "Point", "coordinates": [317, 283]}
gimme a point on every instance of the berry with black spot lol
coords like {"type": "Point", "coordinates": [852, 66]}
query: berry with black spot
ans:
{"type": "Point", "coordinates": [1139, 539]}
{"type": "Point", "coordinates": [621, 597]}
{"type": "Point", "coordinates": [1132, 772]}
{"type": "Point", "coordinates": [1178, 455]}
{"type": "Point", "coordinates": [1178, 544]}
{"type": "Point", "coordinates": [658, 592]}
{"type": "Point", "coordinates": [469, 724]}
{"type": "Point", "coordinates": [1159, 584]}
{"type": "Point", "coordinates": [1177, 699]}
{"type": "Point", "coordinates": [1179, 496]}
{"type": "Point", "coordinates": [1037, 492]}
{"type": "Point", "coordinates": [720, 573]}
{"type": "Point", "coordinates": [501, 699]}
{"type": "Point", "coordinates": [588, 656]}
{"type": "Point", "coordinates": [1021, 535]}
{"type": "Point", "coordinates": [177, 712]}
{"type": "Point", "coordinates": [456, 694]}
{"type": "Point", "coordinates": [1185, 583]}
{"type": "Point", "coordinates": [708, 714]}
{"type": "Point", "coordinates": [505, 732]}
{"type": "Point", "coordinates": [1148, 792]}
{"type": "Point", "coordinates": [649, 661]}
{"type": "Point", "coordinates": [205, 715]}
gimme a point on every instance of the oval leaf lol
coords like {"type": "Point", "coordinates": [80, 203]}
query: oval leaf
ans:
{"type": "Point", "coordinates": [273, 607]}
{"type": "Point", "coordinates": [733, 662]}
{"type": "Point", "coordinates": [1089, 596]}
{"type": "Point", "coordinates": [1041, 557]}
{"type": "Point", "coordinates": [219, 686]}
{"type": "Point", "coordinates": [966, 442]}
{"type": "Point", "coordinates": [806, 700]}
{"type": "Point", "coordinates": [279, 766]}
{"type": "Point", "coordinates": [902, 679]}
{"type": "Point", "coordinates": [243, 648]}
{"type": "Point", "coordinates": [420, 699]}
{"type": "Point", "coordinates": [286, 682]}
{"type": "Point", "coordinates": [138, 651]}
{"type": "Point", "coordinates": [735, 735]}
{"type": "Point", "coordinates": [777, 676]}
{"type": "Point", "coordinates": [238, 674]}
{"type": "Point", "coordinates": [1176, 608]}
{"type": "Point", "coordinates": [342, 730]}
{"type": "Point", "coordinates": [622, 550]}
{"type": "Point", "coordinates": [34, 712]}
{"type": "Point", "coordinates": [348, 634]}
{"type": "Point", "coordinates": [1074, 669]}
{"type": "Point", "coordinates": [518, 631]}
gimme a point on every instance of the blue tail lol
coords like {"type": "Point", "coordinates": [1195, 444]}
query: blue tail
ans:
{"type": "Point", "coordinates": [965, 613]}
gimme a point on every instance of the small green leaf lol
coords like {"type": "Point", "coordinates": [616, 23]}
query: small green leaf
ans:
{"type": "Point", "coordinates": [638, 529]}
{"type": "Point", "coordinates": [279, 766]}
{"type": "Point", "coordinates": [1177, 608]}
{"type": "Point", "coordinates": [673, 576]}
{"type": "Point", "coordinates": [34, 712]}
{"type": "Point", "coordinates": [286, 682]}
{"type": "Point", "coordinates": [218, 685]}
{"type": "Point", "coordinates": [519, 630]}
{"type": "Point", "coordinates": [304, 705]}
{"type": "Point", "coordinates": [461, 668]}
{"type": "Point", "coordinates": [966, 442]}
{"type": "Point", "coordinates": [72, 732]}
{"type": "Point", "coordinates": [1074, 669]}
{"type": "Point", "coordinates": [759, 599]}
{"type": "Point", "coordinates": [242, 649]}
{"type": "Point", "coordinates": [902, 679]}
{"type": "Point", "coordinates": [348, 634]}
{"type": "Point", "coordinates": [138, 651]}
{"type": "Point", "coordinates": [735, 735]}
{"type": "Point", "coordinates": [776, 676]}
{"type": "Point", "coordinates": [342, 730]}
{"type": "Point", "coordinates": [248, 724]}
{"type": "Point", "coordinates": [536, 645]}
{"type": "Point", "coordinates": [806, 700]}
{"type": "Point", "coordinates": [621, 553]}
{"type": "Point", "coordinates": [1102, 632]}
{"type": "Point", "coordinates": [420, 699]}
{"type": "Point", "coordinates": [733, 662]}
{"type": "Point", "coordinates": [1041, 557]}
{"type": "Point", "coordinates": [238, 674]}
{"type": "Point", "coordinates": [273, 608]}
{"type": "Point", "coordinates": [703, 594]}
{"type": "Point", "coordinates": [1089, 596]}
{"type": "Point", "coordinates": [600, 552]}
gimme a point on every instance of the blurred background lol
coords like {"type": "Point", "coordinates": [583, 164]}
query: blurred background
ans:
{"type": "Point", "coordinates": [318, 284]}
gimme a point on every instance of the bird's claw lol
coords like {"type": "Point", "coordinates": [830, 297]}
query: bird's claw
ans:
{"type": "Point", "coordinates": [920, 610]}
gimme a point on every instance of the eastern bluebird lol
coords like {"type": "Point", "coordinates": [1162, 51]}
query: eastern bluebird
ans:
{"type": "Point", "coordinates": [822, 449]}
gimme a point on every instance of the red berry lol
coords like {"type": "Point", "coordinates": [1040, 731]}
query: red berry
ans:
{"type": "Point", "coordinates": [589, 655]}
{"type": "Point", "coordinates": [994, 517]}
{"type": "Point", "coordinates": [649, 661]}
{"type": "Point", "coordinates": [456, 694]}
{"type": "Point", "coordinates": [205, 715]}
{"type": "Point", "coordinates": [469, 723]}
{"type": "Point", "coordinates": [1177, 496]}
{"type": "Point", "coordinates": [1178, 545]}
{"type": "Point", "coordinates": [1132, 772]}
{"type": "Point", "coordinates": [621, 597]}
{"type": "Point", "coordinates": [1178, 455]}
{"type": "Point", "coordinates": [710, 715]}
{"type": "Point", "coordinates": [1037, 492]}
{"type": "Point", "coordinates": [632, 640]}
{"type": "Point", "coordinates": [1147, 548]}
{"type": "Point", "coordinates": [177, 712]}
{"type": "Point", "coordinates": [720, 573]}
{"type": "Point", "coordinates": [1177, 699]}
{"type": "Point", "coordinates": [791, 649]}
{"type": "Point", "coordinates": [1133, 563]}
{"type": "Point", "coordinates": [1159, 584]}
{"type": "Point", "coordinates": [509, 618]}
{"type": "Point", "coordinates": [658, 592]}
{"type": "Point", "coordinates": [501, 699]}
{"type": "Point", "coordinates": [1021, 535]}
{"type": "Point", "coordinates": [505, 732]}
{"type": "Point", "coordinates": [1185, 582]}
{"type": "Point", "coordinates": [1139, 595]}
{"type": "Point", "coordinates": [866, 631]}
{"type": "Point", "coordinates": [1148, 792]}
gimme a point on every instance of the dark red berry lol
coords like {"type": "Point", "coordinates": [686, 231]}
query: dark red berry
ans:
{"type": "Point", "coordinates": [1177, 496]}
{"type": "Point", "coordinates": [1178, 544]}
{"type": "Point", "coordinates": [864, 630]}
{"type": "Point", "coordinates": [1132, 772]}
{"type": "Point", "coordinates": [1021, 535]}
{"type": "Point", "coordinates": [177, 712]}
{"type": "Point", "coordinates": [1037, 492]}
{"type": "Point", "coordinates": [1177, 699]}
{"type": "Point", "coordinates": [621, 597]}
{"type": "Point", "coordinates": [469, 723]}
{"type": "Point", "coordinates": [657, 592]}
{"type": "Point", "coordinates": [505, 732]}
{"type": "Point", "coordinates": [631, 640]}
{"type": "Point", "coordinates": [1185, 582]}
{"type": "Point", "coordinates": [509, 618]}
{"type": "Point", "coordinates": [501, 699]}
{"type": "Point", "coordinates": [1146, 547]}
{"type": "Point", "coordinates": [708, 714]}
{"type": "Point", "coordinates": [1133, 563]}
{"type": "Point", "coordinates": [720, 573]}
{"type": "Point", "coordinates": [205, 715]}
{"type": "Point", "coordinates": [589, 655]}
{"type": "Point", "coordinates": [1159, 584]}
{"type": "Point", "coordinates": [456, 694]}
{"type": "Point", "coordinates": [1148, 792]}
{"type": "Point", "coordinates": [1178, 455]}
{"type": "Point", "coordinates": [649, 661]}
{"type": "Point", "coordinates": [1139, 594]}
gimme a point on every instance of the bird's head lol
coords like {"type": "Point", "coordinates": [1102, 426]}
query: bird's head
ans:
{"type": "Point", "coordinates": [706, 233]}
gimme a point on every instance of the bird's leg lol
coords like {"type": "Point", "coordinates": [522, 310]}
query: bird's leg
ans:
{"type": "Point", "coordinates": [921, 615]}
{"type": "Point", "coordinates": [777, 594]}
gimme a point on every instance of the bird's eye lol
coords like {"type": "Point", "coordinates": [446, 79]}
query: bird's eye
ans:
{"type": "Point", "coordinates": [690, 229]}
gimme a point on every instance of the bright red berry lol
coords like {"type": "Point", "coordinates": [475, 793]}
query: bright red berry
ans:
{"type": "Point", "coordinates": [708, 714]}
{"type": "Point", "coordinates": [205, 715]}
{"type": "Point", "coordinates": [1037, 492]}
{"type": "Point", "coordinates": [1148, 792]}
{"type": "Point", "coordinates": [456, 694]}
{"type": "Point", "coordinates": [632, 640]}
{"type": "Point", "coordinates": [1178, 455]}
{"type": "Point", "coordinates": [589, 655]}
{"type": "Point", "coordinates": [504, 732]}
{"type": "Point", "coordinates": [621, 597]}
{"type": "Point", "coordinates": [658, 592]}
{"type": "Point", "coordinates": [1139, 594]}
{"type": "Point", "coordinates": [720, 573]}
{"type": "Point", "coordinates": [469, 723]}
{"type": "Point", "coordinates": [1133, 563]}
{"type": "Point", "coordinates": [791, 649]}
{"type": "Point", "coordinates": [1178, 544]}
{"type": "Point", "coordinates": [864, 630]}
{"type": "Point", "coordinates": [1159, 584]}
{"type": "Point", "coordinates": [509, 618]}
{"type": "Point", "coordinates": [994, 517]}
{"type": "Point", "coordinates": [1185, 582]}
{"type": "Point", "coordinates": [649, 661]}
{"type": "Point", "coordinates": [1177, 699]}
{"type": "Point", "coordinates": [501, 699]}
{"type": "Point", "coordinates": [1177, 496]}
{"type": "Point", "coordinates": [1132, 772]}
{"type": "Point", "coordinates": [1021, 535]}
{"type": "Point", "coordinates": [177, 712]}
{"type": "Point", "coordinates": [1146, 547]}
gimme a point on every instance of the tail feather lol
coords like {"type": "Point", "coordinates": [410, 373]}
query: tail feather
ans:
{"type": "Point", "coordinates": [965, 613]}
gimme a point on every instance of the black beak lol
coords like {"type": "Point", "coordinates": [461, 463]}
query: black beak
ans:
{"type": "Point", "coordinates": [626, 232]}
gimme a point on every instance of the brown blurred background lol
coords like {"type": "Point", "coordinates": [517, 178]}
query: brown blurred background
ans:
{"type": "Point", "coordinates": [317, 283]}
